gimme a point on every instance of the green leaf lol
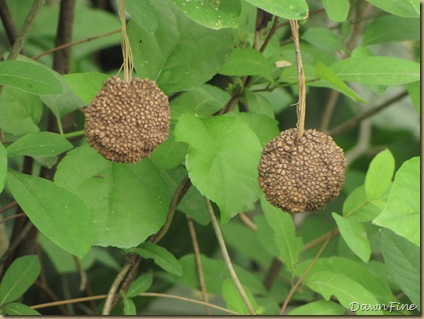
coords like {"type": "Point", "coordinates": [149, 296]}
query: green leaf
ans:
{"type": "Point", "coordinates": [234, 300]}
{"type": "Point", "coordinates": [20, 275]}
{"type": "Point", "coordinates": [337, 10]}
{"type": "Point", "coordinates": [222, 160]}
{"type": "Point", "coordinates": [3, 166]}
{"type": "Point", "coordinates": [18, 309]}
{"type": "Point", "coordinates": [323, 38]}
{"type": "Point", "coordinates": [129, 307]}
{"type": "Point", "coordinates": [289, 245]}
{"type": "Point", "coordinates": [405, 9]}
{"type": "Point", "coordinates": [20, 112]}
{"type": "Point", "coordinates": [403, 262]}
{"type": "Point", "coordinates": [288, 9]}
{"type": "Point", "coordinates": [259, 104]}
{"type": "Point", "coordinates": [355, 236]}
{"type": "Point", "coordinates": [402, 212]}
{"type": "Point", "coordinates": [246, 61]}
{"type": "Point", "coordinates": [390, 29]}
{"type": "Point", "coordinates": [143, 13]}
{"type": "Point", "coordinates": [161, 256]}
{"type": "Point", "coordinates": [214, 14]}
{"type": "Point", "coordinates": [357, 207]}
{"type": "Point", "coordinates": [346, 290]}
{"type": "Point", "coordinates": [141, 284]}
{"type": "Point", "coordinates": [171, 57]}
{"type": "Point", "coordinates": [128, 202]}
{"type": "Point", "coordinates": [29, 77]}
{"type": "Point", "coordinates": [325, 73]}
{"type": "Point", "coordinates": [414, 90]}
{"type": "Point", "coordinates": [40, 144]}
{"type": "Point", "coordinates": [56, 212]}
{"type": "Point", "coordinates": [377, 70]}
{"type": "Point", "coordinates": [318, 308]}
{"type": "Point", "coordinates": [86, 85]}
{"type": "Point", "coordinates": [379, 175]}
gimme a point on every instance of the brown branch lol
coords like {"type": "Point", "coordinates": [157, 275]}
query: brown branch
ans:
{"type": "Point", "coordinates": [272, 273]}
{"type": "Point", "coordinates": [270, 35]}
{"type": "Point", "coordinates": [8, 206]}
{"type": "Point", "coordinates": [8, 23]}
{"type": "Point", "coordinates": [12, 217]}
{"type": "Point", "coordinates": [50, 293]}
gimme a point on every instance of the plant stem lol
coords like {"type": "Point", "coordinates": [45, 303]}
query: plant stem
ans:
{"type": "Point", "coordinates": [8, 23]}
{"type": "Point", "coordinates": [73, 134]}
{"type": "Point", "coordinates": [248, 222]}
{"type": "Point", "coordinates": [61, 59]}
{"type": "Point", "coordinates": [125, 43]}
{"type": "Point", "coordinates": [226, 257]}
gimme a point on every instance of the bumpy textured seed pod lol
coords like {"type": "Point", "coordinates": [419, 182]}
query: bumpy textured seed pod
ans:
{"type": "Point", "coordinates": [301, 175]}
{"type": "Point", "coordinates": [126, 121]}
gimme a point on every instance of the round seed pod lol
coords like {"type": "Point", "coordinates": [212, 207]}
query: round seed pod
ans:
{"type": "Point", "coordinates": [126, 121]}
{"type": "Point", "coordinates": [301, 175]}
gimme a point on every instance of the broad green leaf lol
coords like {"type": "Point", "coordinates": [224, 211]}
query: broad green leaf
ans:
{"type": "Point", "coordinates": [20, 275]}
{"type": "Point", "coordinates": [325, 73]}
{"type": "Point", "coordinates": [379, 175]}
{"type": "Point", "coordinates": [246, 61]}
{"type": "Point", "coordinates": [357, 207]}
{"type": "Point", "coordinates": [337, 10]}
{"type": "Point", "coordinates": [288, 9]}
{"type": "Point", "coordinates": [55, 211]}
{"type": "Point", "coordinates": [29, 77]}
{"type": "Point", "coordinates": [265, 236]}
{"type": "Point", "coordinates": [214, 269]}
{"type": "Point", "coordinates": [129, 307]}
{"type": "Point", "coordinates": [128, 202]}
{"type": "Point", "coordinates": [214, 14]}
{"type": "Point", "coordinates": [318, 308]}
{"type": "Point", "coordinates": [289, 245]}
{"type": "Point", "coordinates": [323, 38]}
{"type": "Point", "coordinates": [222, 160]}
{"type": "Point", "coordinates": [259, 104]}
{"type": "Point", "coordinates": [405, 9]}
{"type": "Point", "coordinates": [355, 236]}
{"type": "Point", "coordinates": [203, 101]}
{"type": "Point", "coordinates": [402, 212]}
{"type": "Point", "coordinates": [346, 290]}
{"type": "Point", "coordinates": [377, 70]}
{"type": "Point", "coordinates": [414, 90]}
{"type": "Point", "coordinates": [3, 166]}
{"type": "Point", "coordinates": [86, 85]}
{"type": "Point", "coordinates": [141, 284]}
{"type": "Point", "coordinates": [171, 57]}
{"type": "Point", "coordinates": [19, 309]}
{"type": "Point", "coordinates": [403, 262]}
{"type": "Point", "coordinates": [391, 28]}
{"type": "Point", "coordinates": [161, 256]}
{"type": "Point", "coordinates": [143, 13]}
{"type": "Point", "coordinates": [234, 300]}
{"type": "Point", "coordinates": [20, 112]}
{"type": "Point", "coordinates": [40, 144]}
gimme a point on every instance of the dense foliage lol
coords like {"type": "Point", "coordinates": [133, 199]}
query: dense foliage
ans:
{"type": "Point", "coordinates": [76, 225]}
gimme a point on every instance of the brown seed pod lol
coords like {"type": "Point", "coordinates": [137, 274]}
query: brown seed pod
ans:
{"type": "Point", "coordinates": [126, 121]}
{"type": "Point", "coordinates": [301, 175]}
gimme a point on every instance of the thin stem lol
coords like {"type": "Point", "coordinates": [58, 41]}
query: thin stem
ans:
{"type": "Point", "coordinates": [198, 263]}
{"type": "Point", "coordinates": [270, 34]}
{"type": "Point", "coordinates": [19, 238]}
{"type": "Point", "coordinates": [61, 61]}
{"type": "Point", "coordinates": [8, 206]}
{"type": "Point", "coordinates": [300, 280]}
{"type": "Point", "coordinates": [247, 221]}
{"type": "Point", "coordinates": [23, 34]}
{"type": "Point", "coordinates": [301, 105]}
{"type": "Point", "coordinates": [8, 23]}
{"type": "Point", "coordinates": [126, 48]}
{"type": "Point", "coordinates": [272, 272]}
{"type": "Point", "coordinates": [5, 220]}
{"type": "Point", "coordinates": [227, 259]}
{"type": "Point", "coordinates": [328, 110]}
{"type": "Point", "coordinates": [73, 134]}
{"type": "Point", "coordinates": [320, 239]}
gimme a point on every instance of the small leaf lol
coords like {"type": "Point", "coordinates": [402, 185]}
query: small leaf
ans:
{"type": "Point", "coordinates": [403, 262]}
{"type": "Point", "coordinates": [289, 245]}
{"type": "Point", "coordinates": [213, 14]}
{"type": "Point", "coordinates": [377, 70]}
{"type": "Point", "coordinates": [161, 256]}
{"type": "Point", "coordinates": [20, 275]}
{"type": "Point", "coordinates": [337, 10]}
{"type": "Point", "coordinates": [405, 9]}
{"type": "Point", "coordinates": [141, 284]}
{"type": "Point", "coordinates": [86, 85]}
{"type": "Point", "coordinates": [379, 175]}
{"type": "Point", "coordinates": [402, 212]}
{"type": "Point", "coordinates": [234, 300]}
{"type": "Point", "coordinates": [29, 77]}
{"type": "Point", "coordinates": [318, 308]}
{"type": "Point", "coordinates": [355, 236]}
{"type": "Point", "coordinates": [357, 207]}
{"type": "Point", "coordinates": [3, 166]}
{"type": "Point", "coordinates": [40, 144]}
{"type": "Point", "coordinates": [129, 307]}
{"type": "Point", "coordinates": [246, 61]}
{"type": "Point", "coordinates": [55, 211]}
{"type": "Point", "coordinates": [143, 13]}
{"type": "Point", "coordinates": [345, 289]}
{"type": "Point", "coordinates": [288, 9]}
{"type": "Point", "coordinates": [18, 309]}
